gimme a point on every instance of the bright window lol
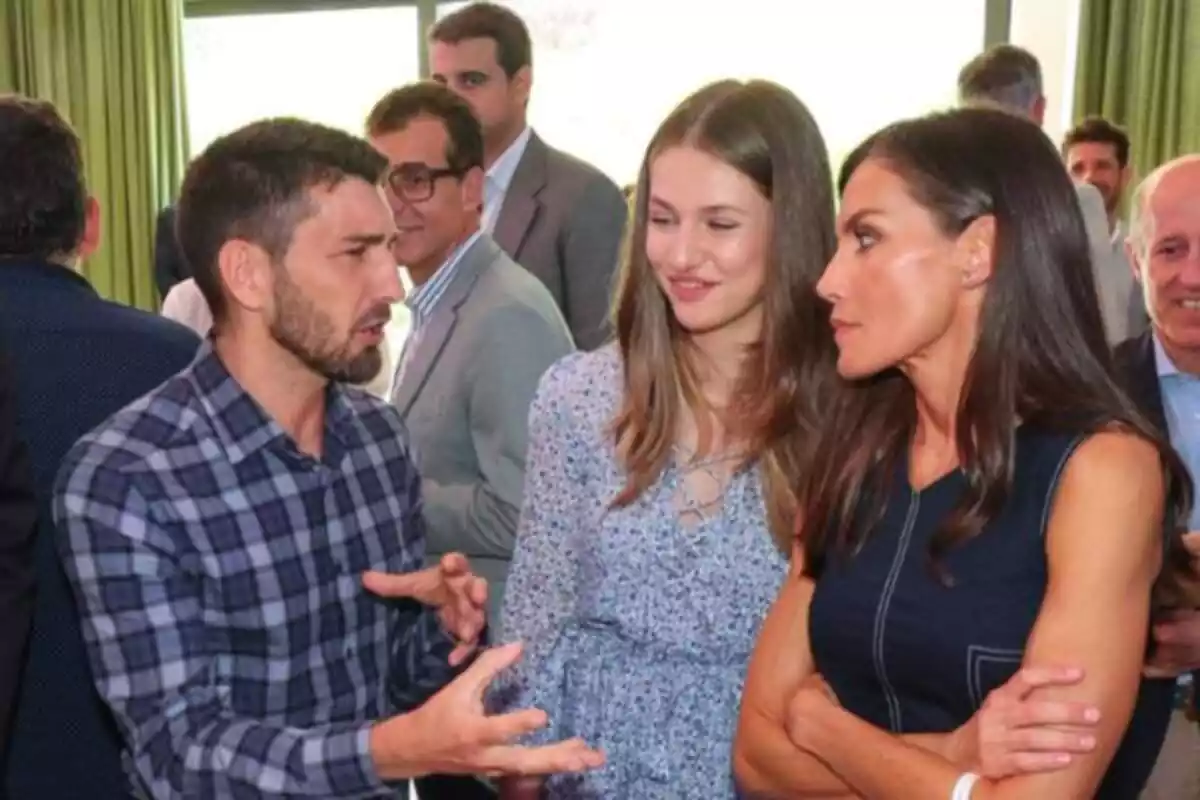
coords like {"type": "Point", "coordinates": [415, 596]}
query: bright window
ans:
{"type": "Point", "coordinates": [606, 73]}
{"type": "Point", "coordinates": [326, 66]}
{"type": "Point", "coordinates": [1049, 29]}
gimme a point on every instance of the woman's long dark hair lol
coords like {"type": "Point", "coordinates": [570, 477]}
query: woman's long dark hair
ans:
{"type": "Point", "coordinates": [1041, 357]}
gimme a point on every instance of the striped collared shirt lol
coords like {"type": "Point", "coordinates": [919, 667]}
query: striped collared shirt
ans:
{"type": "Point", "coordinates": [424, 299]}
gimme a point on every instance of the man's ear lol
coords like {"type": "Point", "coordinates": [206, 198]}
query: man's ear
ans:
{"type": "Point", "coordinates": [1125, 180]}
{"type": "Point", "coordinates": [246, 275]}
{"type": "Point", "coordinates": [1038, 112]}
{"type": "Point", "coordinates": [1134, 256]}
{"type": "Point", "coordinates": [89, 243]}
{"type": "Point", "coordinates": [521, 85]}
{"type": "Point", "coordinates": [472, 188]}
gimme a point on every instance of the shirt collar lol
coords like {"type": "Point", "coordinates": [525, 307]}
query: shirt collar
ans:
{"type": "Point", "coordinates": [422, 299]}
{"type": "Point", "coordinates": [503, 168]}
{"type": "Point", "coordinates": [241, 424]}
{"type": "Point", "coordinates": [1162, 362]}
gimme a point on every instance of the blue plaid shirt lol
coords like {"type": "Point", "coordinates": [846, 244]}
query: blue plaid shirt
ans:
{"type": "Point", "coordinates": [218, 572]}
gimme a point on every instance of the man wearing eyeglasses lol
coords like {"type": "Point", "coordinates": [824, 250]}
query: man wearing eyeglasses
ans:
{"type": "Point", "coordinates": [484, 330]}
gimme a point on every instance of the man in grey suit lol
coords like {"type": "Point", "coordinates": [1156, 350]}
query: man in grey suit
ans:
{"type": "Point", "coordinates": [557, 216]}
{"type": "Point", "coordinates": [1011, 77]}
{"type": "Point", "coordinates": [484, 331]}
{"type": "Point", "coordinates": [1096, 152]}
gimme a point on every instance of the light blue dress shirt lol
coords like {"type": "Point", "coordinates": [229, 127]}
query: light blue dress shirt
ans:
{"type": "Point", "coordinates": [1181, 402]}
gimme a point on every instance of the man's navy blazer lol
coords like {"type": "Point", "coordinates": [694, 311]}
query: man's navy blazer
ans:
{"type": "Point", "coordinates": [77, 359]}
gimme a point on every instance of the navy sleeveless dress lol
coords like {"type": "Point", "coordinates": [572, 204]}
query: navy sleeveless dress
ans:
{"type": "Point", "coordinates": [911, 655]}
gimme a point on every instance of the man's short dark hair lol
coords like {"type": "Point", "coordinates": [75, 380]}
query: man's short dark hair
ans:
{"type": "Point", "coordinates": [1098, 130]}
{"type": "Point", "coordinates": [489, 21]}
{"type": "Point", "coordinates": [1005, 75]}
{"type": "Point", "coordinates": [253, 184]}
{"type": "Point", "coordinates": [43, 198]}
{"type": "Point", "coordinates": [464, 134]}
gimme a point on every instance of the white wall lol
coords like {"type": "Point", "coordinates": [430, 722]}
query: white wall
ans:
{"type": "Point", "coordinates": [1049, 29]}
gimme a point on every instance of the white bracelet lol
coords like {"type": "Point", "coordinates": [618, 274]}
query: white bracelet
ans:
{"type": "Point", "coordinates": [962, 788]}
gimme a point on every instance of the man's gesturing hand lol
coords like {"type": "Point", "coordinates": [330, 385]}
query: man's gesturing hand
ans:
{"type": "Point", "coordinates": [451, 735]}
{"type": "Point", "coordinates": [459, 595]}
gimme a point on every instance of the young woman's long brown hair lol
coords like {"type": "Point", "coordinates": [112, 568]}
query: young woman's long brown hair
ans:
{"type": "Point", "coordinates": [1041, 357]}
{"type": "Point", "coordinates": [767, 134]}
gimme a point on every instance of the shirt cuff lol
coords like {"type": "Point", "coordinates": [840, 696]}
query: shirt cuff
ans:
{"type": "Point", "coordinates": [362, 776]}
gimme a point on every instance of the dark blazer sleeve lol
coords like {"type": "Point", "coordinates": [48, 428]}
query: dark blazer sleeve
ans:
{"type": "Point", "coordinates": [169, 265]}
{"type": "Point", "coordinates": [18, 524]}
{"type": "Point", "coordinates": [1137, 370]}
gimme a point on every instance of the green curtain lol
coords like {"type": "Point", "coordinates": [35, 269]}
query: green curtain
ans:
{"type": "Point", "coordinates": [114, 68]}
{"type": "Point", "coordinates": [1138, 65]}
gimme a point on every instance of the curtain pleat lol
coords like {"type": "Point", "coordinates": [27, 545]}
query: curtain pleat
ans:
{"type": "Point", "coordinates": [1138, 65]}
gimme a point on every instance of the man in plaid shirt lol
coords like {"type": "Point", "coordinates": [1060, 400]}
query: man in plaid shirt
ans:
{"type": "Point", "coordinates": [222, 532]}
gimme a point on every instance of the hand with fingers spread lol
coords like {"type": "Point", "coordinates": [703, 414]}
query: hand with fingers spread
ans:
{"type": "Point", "coordinates": [451, 734]}
{"type": "Point", "coordinates": [459, 595]}
{"type": "Point", "coordinates": [1014, 733]}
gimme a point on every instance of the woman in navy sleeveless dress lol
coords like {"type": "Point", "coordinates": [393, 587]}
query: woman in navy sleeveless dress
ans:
{"type": "Point", "coordinates": [989, 501]}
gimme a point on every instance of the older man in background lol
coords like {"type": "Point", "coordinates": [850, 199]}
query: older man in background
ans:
{"type": "Point", "coordinates": [1161, 371]}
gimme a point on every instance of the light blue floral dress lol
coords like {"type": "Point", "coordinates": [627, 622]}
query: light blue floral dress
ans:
{"type": "Point", "coordinates": [637, 628]}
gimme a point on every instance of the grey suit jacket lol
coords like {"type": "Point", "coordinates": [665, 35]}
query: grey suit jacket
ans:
{"type": "Point", "coordinates": [465, 397]}
{"type": "Point", "coordinates": [562, 219]}
{"type": "Point", "coordinates": [1120, 298]}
